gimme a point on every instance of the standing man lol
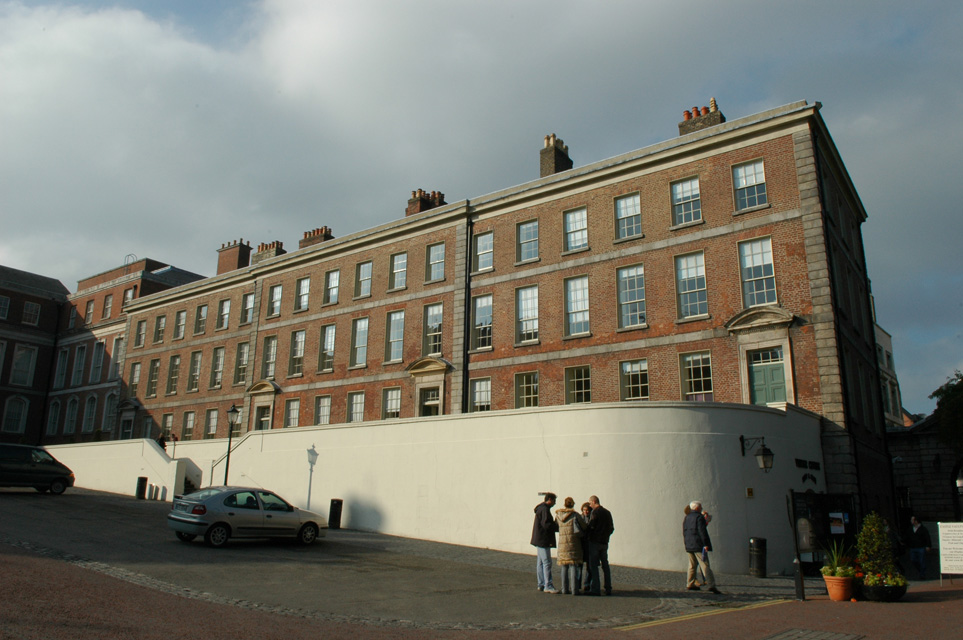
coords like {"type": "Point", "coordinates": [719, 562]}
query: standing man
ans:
{"type": "Point", "coordinates": [543, 539]}
{"type": "Point", "coordinates": [697, 545]}
{"type": "Point", "coordinates": [600, 529]}
{"type": "Point", "coordinates": [919, 544]}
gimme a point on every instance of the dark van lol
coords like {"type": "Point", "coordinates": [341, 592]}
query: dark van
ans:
{"type": "Point", "coordinates": [25, 466]}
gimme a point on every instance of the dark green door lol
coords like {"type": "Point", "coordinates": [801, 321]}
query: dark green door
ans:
{"type": "Point", "coordinates": [767, 376]}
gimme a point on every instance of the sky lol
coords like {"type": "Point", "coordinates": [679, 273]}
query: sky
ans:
{"type": "Point", "coordinates": [166, 128]}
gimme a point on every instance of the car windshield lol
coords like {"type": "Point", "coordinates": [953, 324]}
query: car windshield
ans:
{"type": "Point", "coordinates": [39, 455]}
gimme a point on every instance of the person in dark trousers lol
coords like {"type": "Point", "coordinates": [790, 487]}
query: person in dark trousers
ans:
{"type": "Point", "coordinates": [695, 534]}
{"type": "Point", "coordinates": [919, 543]}
{"type": "Point", "coordinates": [585, 574]}
{"type": "Point", "coordinates": [600, 529]}
{"type": "Point", "coordinates": [543, 539]}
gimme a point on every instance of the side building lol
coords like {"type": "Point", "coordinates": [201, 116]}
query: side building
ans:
{"type": "Point", "coordinates": [723, 265]}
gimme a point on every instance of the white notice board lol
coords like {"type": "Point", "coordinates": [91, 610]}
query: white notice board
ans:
{"type": "Point", "coordinates": [951, 547]}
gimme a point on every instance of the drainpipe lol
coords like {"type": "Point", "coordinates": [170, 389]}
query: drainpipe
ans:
{"type": "Point", "coordinates": [466, 330]}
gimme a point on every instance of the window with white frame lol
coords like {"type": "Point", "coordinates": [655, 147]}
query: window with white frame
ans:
{"type": "Point", "coordinates": [247, 308]}
{"type": "Point", "coordinates": [187, 427]}
{"type": "Point", "coordinates": [526, 313]}
{"type": "Point", "coordinates": [576, 306]}
{"type": "Point", "coordinates": [526, 389]}
{"type": "Point", "coordinates": [241, 362]}
{"type": "Point", "coordinates": [70, 419]}
{"type": "Point", "coordinates": [223, 314]}
{"type": "Point", "coordinates": [194, 374]}
{"type": "Point", "coordinates": [217, 367]}
{"type": "Point", "coordinates": [578, 385]}
{"type": "Point", "coordinates": [391, 403]}
{"type": "Point", "coordinates": [481, 322]}
{"type": "Point", "coordinates": [326, 352]}
{"type": "Point", "coordinates": [435, 262]}
{"type": "Point", "coordinates": [394, 337]}
{"type": "Point", "coordinates": [108, 306]}
{"type": "Point", "coordinates": [153, 374]}
{"type": "Point", "coordinates": [359, 342]}
{"type": "Point", "coordinates": [432, 330]}
{"type": "Point", "coordinates": [480, 395]}
{"type": "Point", "coordinates": [628, 217]}
{"type": "Point", "coordinates": [749, 181]}
{"type": "Point", "coordinates": [362, 280]}
{"type": "Point", "coordinates": [5, 307]}
{"type": "Point", "coordinates": [526, 241]}
{"type": "Point", "coordinates": [398, 278]}
{"type": "Point", "coordinates": [71, 317]}
{"type": "Point", "coordinates": [210, 423]}
{"type": "Point", "coordinates": [292, 412]}
{"type": "Point", "coordinates": [167, 424]}
{"type": "Point", "coordinates": [631, 285]}
{"type": "Point", "coordinates": [758, 277]}
{"type": "Point", "coordinates": [302, 294]}
{"type": "Point", "coordinates": [634, 380]}
{"type": "Point", "coordinates": [53, 418]}
{"type": "Point", "coordinates": [173, 374]}
{"type": "Point", "coordinates": [160, 324]}
{"type": "Point", "coordinates": [128, 295]}
{"type": "Point", "coordinates": [89, 312]}
{"type": "Point", "coordinates": [97, 363]}
{"type": "Point", "coordinates": [116, 357]}
{"type": "Point", "coordinates": [60, 379]}
{"type": "Point", "coordinates": [31, 313]}
{"type": "Point", "coordinates": [140, 333]}
{"type": "Point", "coordinates": [110, 413]}
{"type": "Point", "coordinates": [696, 376]}
{"type": "Point", "coordinates": [274, 300]}
{"type": "Point", "coordinates": [180, 321]}
{"type": "Point", "coordinates": [80, 362]}
{"type": "Point", "coordinates": [322, 410]}
{"type": "Point", "coordinates": [134, 381]}
{"type": "Point", "coordinates": [690, 280]}
{"type": "Point", "coordinates": [429, 401]}
{"type": "Point", "coordinates": [200, 319]}
{"type": "Point", "coordinates": [15, 414]}
{"type": "Point", "coordinates": [332, 281]}
{"type": "Point", "coordinates": [356, 406]}
{"type": "Point", "coordinates": [90, 415]}
{"type": "Point", "coordinates": [270, 357]}
{"type": "Point", "coordinates": [296, 357]}
{"type": "Point", "coordinates": [686, 202]}
{"type": "Point", "coordinates": [483, 257]}
{"type": "Point", "coordinates": [576, 229]}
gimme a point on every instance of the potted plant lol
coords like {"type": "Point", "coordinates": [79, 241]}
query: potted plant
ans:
{"type": "Point", "coordinates": [838, 573]}
{"type": "Point", "coordinates": [876, 571]}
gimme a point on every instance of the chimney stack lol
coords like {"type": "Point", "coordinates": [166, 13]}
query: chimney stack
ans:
{"type": "Point", "coordinates": [268, 250]}
{"type": "Point", "coordinates": [321, 234]}
{"type": "Point", "coordinates": [554, 157]}
{"type": "Point", "coordinates": [421, 200]}
{"type": "Point", "coordinates": [233, 255]}
{"type": "Point", "coordinates": [698, 119]}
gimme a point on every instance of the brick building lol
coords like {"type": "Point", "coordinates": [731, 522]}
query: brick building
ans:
{"type": "Point", "coordinates": [723, 265]}
{"type": "Point", "coordinates": [29, 309]}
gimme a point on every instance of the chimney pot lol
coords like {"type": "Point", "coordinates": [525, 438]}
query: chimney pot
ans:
{"type": "Point", "coordinates": [705, 111]}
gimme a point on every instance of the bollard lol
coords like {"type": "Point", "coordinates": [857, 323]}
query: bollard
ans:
{"type": "Point", "coordinates": [757, 557]}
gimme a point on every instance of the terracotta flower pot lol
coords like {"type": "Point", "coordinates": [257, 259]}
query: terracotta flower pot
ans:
{"type": "Point", "coordinates": [840, 589]}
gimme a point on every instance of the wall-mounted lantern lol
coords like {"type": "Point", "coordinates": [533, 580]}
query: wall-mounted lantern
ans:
{"type": "Point", "coordinates": [764, 454]}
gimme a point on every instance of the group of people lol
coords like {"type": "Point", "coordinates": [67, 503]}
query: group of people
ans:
{"type": "Point", "coordinates": [583, 546]}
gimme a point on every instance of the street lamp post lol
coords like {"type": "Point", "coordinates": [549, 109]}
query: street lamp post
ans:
{"type": "Point", "coordinates": [312, 460]}
{"type": "Point", "coordinates": [232, 415]}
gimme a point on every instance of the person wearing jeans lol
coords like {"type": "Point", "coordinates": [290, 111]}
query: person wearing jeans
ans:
{"type": "Point", "coordinates": [543, 539]}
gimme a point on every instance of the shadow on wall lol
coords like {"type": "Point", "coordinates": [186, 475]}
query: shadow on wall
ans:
{"type": "Point", "coordinates": [362, 516]}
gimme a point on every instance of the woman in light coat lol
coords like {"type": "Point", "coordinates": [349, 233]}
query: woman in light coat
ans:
{"type": "Point", "coordinates": [571, 524]}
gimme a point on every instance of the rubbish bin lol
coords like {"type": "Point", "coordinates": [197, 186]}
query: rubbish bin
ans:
{"type": "Point", "coordinates": [757, 557]}
{"type": "Point", "coordinates": [141, 492]}
{"type": "Point", "coordinates": [334, 514]}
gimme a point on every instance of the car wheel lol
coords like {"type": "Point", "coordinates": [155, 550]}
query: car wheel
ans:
{"type": "Point", "coordinates": [217, 535]}
{"type": "Point", "coordinates": [308, 534]}
{"type": "Point", "coordinates": [184, 537]}
{"type": "Point", "coordinates": [57, 487]}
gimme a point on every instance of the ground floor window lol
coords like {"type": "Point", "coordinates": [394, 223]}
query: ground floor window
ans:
{"type": "Point", "coordinates": [526, 389]}
{"type": "Point", "coordinates": [578, 385]}
{"type": "Point", "coordinates": [697, 376]}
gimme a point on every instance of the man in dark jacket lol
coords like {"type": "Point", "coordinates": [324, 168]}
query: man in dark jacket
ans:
{"type": "Point", "coordinates": [543, 539]}
{"type": "Point", "coordinates": [697, 545]}
{"type": "Point", "coordinates": [919, 543]}
{"type": "Point", "coordinates": [600, 529]}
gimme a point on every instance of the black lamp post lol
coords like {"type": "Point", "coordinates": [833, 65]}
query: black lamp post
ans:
{"type": "Point", "coordinates": [232, 415]}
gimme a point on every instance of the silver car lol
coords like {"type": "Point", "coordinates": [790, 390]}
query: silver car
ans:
{"type": "Point", "coordinates": [221, 513]}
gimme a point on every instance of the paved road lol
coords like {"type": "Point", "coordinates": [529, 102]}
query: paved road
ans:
{"type": "Point", "coordinates": [94, 565]}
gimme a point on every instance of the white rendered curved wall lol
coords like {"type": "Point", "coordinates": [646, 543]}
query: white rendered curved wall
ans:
{"type": "Point", "coordinates": [475, 479]}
